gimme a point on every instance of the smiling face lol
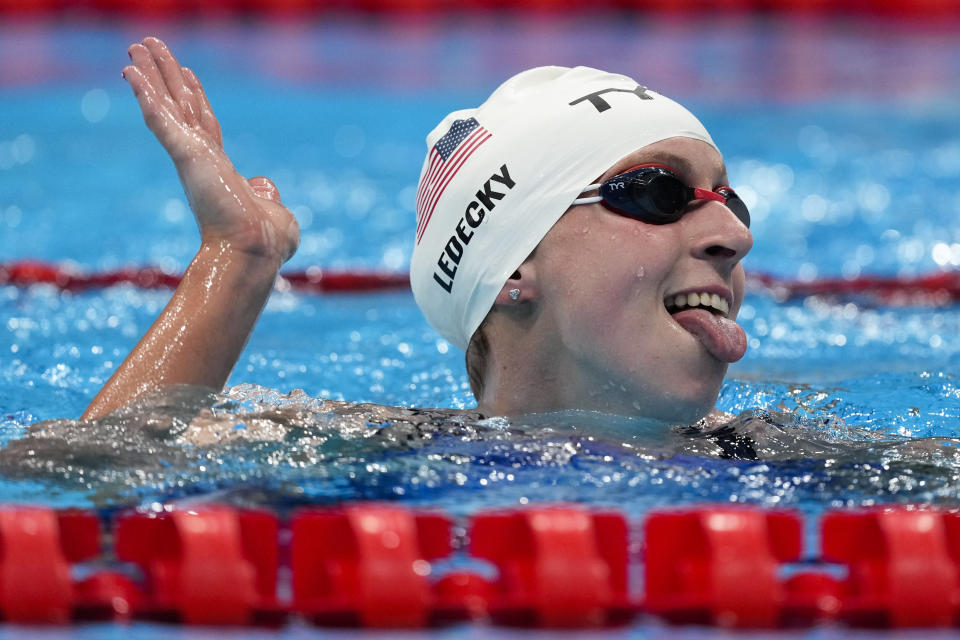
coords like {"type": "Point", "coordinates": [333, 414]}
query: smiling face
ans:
{"type": "Point", "coordinates": [634, 315]}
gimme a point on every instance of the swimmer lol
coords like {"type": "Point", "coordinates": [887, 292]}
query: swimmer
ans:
{"type": "Point", "coordinates": [576, 237]}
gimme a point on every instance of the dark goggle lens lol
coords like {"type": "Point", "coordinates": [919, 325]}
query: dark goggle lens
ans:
{"type": "Point", "coordinates": [667, 194]}
{"type": "Point", "coordinates": [735, 204]}
{"type": "Point", "coordinates": [650, 194]}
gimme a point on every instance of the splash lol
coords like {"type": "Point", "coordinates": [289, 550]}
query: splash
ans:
{"type": "Point", "coordinates": [254, 446]}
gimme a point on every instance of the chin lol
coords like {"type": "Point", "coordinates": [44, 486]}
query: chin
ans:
{"type": "Point", "coordinates": [676, 394]}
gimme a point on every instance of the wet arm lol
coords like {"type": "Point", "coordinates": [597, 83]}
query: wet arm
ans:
{"type": "Point", "coordinates": [201, 332]}
{"type": "Point", "coordinates": [246, 235]}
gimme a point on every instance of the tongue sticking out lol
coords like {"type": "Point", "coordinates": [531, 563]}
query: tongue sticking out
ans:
{"type": "Point", "coordinates": [722, 337]}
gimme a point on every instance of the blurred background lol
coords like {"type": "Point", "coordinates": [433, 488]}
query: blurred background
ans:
{"type": "Point", "coordinates": [839, 122]}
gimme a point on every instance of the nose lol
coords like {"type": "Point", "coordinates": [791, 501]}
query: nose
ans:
{"type": "Point", "coordinates": [717, 234]}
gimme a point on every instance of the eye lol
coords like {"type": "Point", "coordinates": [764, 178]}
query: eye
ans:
{"type": "Point", "coordinates": [667, 193]}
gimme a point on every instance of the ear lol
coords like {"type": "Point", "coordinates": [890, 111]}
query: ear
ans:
{"type": "Point", "coordinates": [523, 279]}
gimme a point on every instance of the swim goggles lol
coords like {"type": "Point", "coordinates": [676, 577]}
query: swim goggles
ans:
{"type": "Point", "coordinates": [655, 194]}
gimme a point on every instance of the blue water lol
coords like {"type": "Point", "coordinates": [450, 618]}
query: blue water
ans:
{"type": "Point", "coordinates": [843, 137]}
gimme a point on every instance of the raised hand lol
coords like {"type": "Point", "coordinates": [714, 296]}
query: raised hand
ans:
{"type": "Point", "coordinates": [246, 235]}
{"type": "Point", "coordinates": [245, 214]}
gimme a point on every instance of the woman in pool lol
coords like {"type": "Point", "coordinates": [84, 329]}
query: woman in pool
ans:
{"type": "Point", "coordinates": [575, 236]}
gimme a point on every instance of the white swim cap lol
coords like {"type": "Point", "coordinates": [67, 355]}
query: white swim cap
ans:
{"type": "Point", "coordinates": [496, 179]}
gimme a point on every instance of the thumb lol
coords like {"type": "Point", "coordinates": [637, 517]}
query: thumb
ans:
{"type": "Point", "coordinates": [264, 188]}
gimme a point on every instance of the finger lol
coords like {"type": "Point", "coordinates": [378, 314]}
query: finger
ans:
{"type": "Point", "coordinates": [143, 60]}
{"type": "Point", "coordinates": [207, 120]}
{"type": "Point", "coordinates": [155, 112]}
{"type": "Point", "coordinates": [173, 77]}
{"type": "Point", "coordinates": [264, 188]}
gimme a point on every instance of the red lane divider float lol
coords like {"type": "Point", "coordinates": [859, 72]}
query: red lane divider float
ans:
{"type": "Point", "coordinates": [366, 565]}
{"type": "Point", "coordinates": [37, 547]}
{"type": "Point", "coordinates": [719, 566]}
{"type": "Point", "coordinates": [938, 289]}
{"type": "Point", "coordinates": [558, 567]}
{"type": "Point", "coordinates": [211, 566]}
{"type": "Point", "coordinates": [381, 566]}
{"type": "Point", "coordinates": [903, 566]}
{"type": "Point", "coordinates": [313, 279]}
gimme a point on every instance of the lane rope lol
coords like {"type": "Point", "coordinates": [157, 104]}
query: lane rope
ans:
{"type": "Point", "coordinates": [934, 289]}
{"type": "Point", "coordinates": [25, 273]}
{"type": "Point", "coordinates": [561, 566]}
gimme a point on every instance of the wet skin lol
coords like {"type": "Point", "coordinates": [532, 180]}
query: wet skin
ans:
{"type": "Point", "coordinates": [598, 281]}
{"type": "Point", "coordinates": [246, 235]}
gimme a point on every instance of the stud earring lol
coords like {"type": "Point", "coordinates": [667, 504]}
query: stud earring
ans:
{"type": "Point", "coordinates": [514, 294]}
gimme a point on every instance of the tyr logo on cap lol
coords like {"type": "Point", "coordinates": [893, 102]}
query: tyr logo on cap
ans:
{"type": "Point", "coordinates": [602, 105]}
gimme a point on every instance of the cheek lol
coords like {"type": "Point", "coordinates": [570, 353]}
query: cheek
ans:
{"type": "Point", "coordinates": [602, 265]}
{"type": "Point", "coordinates": [605, 266]}
{"type": "Point", "coordinates": [611, 298]}
{"type": "Point", "coordinates": [639, 262]}
{"type": "Point", "coordinates": [739, 287]}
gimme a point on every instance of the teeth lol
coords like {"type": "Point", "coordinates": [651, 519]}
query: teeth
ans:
{"type": "Point", "coordinates": [700, 300]}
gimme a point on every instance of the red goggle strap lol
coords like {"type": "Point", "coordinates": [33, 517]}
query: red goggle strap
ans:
{"type": "Point", "coordinates": [703, 194]}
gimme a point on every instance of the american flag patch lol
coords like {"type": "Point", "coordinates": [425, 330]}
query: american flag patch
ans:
{"type": "Point", "coordinates": [446, 158]}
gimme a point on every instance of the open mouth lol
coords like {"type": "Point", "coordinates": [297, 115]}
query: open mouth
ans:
{"type": "Point", "coordinates": [708, 301]}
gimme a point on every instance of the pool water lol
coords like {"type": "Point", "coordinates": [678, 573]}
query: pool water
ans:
{"type": "Point", "coordinates": [841, 136]}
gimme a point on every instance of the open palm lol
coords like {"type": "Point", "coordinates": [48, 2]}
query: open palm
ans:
{"type": "Point", "coordinates": [247, 214]}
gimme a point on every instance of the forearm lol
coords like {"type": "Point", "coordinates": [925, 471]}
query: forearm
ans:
{"type": "Point", "coordinates": [201, 332]}
{"type": "Point", "coordinates": [247, 235]}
